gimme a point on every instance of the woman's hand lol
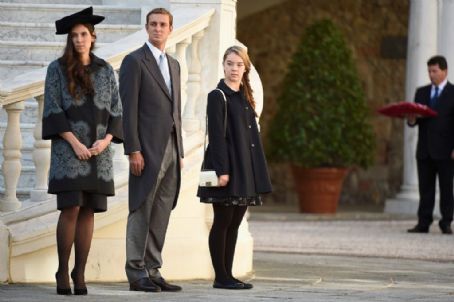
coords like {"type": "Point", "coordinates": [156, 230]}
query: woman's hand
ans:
{"type": "Point", "coordinates": [223, 180]}
{"type": "Point", "coordinates": [79, 149]}
{"type": "Point", "coordinates": [100, 145]}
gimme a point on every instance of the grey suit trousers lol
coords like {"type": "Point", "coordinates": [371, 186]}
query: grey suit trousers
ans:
{"type": "Point", "coordinates": [147, 226]}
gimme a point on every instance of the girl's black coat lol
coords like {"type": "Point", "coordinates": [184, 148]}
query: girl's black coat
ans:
{"type": "Point", "coordinates": [240, 154]}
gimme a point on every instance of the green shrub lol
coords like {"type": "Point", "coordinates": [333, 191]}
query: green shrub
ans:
{"type": "Point", "coordinates": [322, 116]}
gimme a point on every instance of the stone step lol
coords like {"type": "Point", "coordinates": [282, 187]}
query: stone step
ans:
{"type": "Point", "coordinates": [86, 2]}
{"type": "Point", "coordinates": [32, 51]}
{"type": "Point", "coordinates": [29, 51]}
{"type": "Point", "coordinates": [45, 13]}
{"type": "Point", "coordinates": [9, 69]}
{"type": "Point", "coordinates": [106, 33]}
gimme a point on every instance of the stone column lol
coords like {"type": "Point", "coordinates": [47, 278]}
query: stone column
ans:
{"type": "Point", "coordinates": [422, 44]}
{"type": "Point", "coordinates": [11, 167]}
{"type": "Point", "coordinates": [41, 157]}
{"type": "Point", "coordinates": [217, 37]}
{"type": "Point", "coordinates": [445, 37]}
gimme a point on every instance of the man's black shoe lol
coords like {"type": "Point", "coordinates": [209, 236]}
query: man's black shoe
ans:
{"type": "Point", "coordinates": [445, 229]}
{"type": "Point", "coordinates": [165, 287]}
{"type": "Point", "coordinates": [418, 229]}
{"type": "Point", "coordinates": [144, 285]}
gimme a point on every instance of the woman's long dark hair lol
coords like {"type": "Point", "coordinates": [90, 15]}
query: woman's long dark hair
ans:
{"type": "Point", "coordinates": [76, 73]}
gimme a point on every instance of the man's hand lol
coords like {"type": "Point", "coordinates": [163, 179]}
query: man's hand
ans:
{"type": "Point", "coordinates": [411, 118]}
{"type": "Point", "coordinates": [223, 180]}
{"type": "Point", "coordinates": [181, 164]}
{"type": "Point", "coordinates": [136, 163]}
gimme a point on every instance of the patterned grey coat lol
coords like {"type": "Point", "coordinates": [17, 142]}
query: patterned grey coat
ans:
{"type": "Point", "coordinates": [90, 119]}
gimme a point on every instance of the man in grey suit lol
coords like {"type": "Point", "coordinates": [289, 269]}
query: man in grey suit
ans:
{"type": "Point", "coordinates": [150, 93]}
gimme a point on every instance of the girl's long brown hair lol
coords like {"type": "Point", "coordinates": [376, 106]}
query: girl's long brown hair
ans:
{"type": "Point", "coordinates": [76, 73]}
{"type": "Point", "coordinates": [241, 52]}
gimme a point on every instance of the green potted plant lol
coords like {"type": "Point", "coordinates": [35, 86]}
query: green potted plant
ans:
{"type": "Point", "coordinates": [321, 123]}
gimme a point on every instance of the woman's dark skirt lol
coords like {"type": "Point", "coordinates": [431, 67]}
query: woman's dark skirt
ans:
{"type": "Point", "coordinates": [234, 201]}
{"type": "Point", "coordinates": [97, 202]}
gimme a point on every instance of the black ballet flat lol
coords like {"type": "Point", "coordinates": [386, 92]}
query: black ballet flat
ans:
{"type": "Point", "coordinates": [229, 285]}
{"type": "Point", "coordinates": [78, 291]}
{"type": "Point", "coordinates": [61, 290]}
{"type": "Point", "coordinates": [246, 285]}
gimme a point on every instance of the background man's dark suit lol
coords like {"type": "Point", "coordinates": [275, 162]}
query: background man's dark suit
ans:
{"type": "Point", "coordinates": [433, 154]}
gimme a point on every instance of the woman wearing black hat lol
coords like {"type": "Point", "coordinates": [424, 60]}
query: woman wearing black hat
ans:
{"type": "Point", "coordinates": [82, 115]}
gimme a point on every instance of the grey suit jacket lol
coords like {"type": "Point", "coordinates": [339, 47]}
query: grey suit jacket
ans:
{"type": "Point", "coordinates": [149, 116]}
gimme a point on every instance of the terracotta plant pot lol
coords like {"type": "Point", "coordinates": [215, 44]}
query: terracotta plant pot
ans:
{"type": "Point", "coordinates": [319, 188]}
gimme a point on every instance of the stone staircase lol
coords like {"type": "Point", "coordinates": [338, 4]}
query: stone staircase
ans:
{"type": "Point", "coordinates": [28, 41]}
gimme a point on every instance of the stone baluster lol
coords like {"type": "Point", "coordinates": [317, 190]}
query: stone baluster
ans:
{"type": "Point", "coordinates": [11, 167]}
{"type": "Point", "coordinates": [190, 123]}
{"type": "Point", "coordinates": [41, 157]}
{"type": "Point", "coordinates": [171, 50]}
{"type": "Point", "coordinates": [181, 57]}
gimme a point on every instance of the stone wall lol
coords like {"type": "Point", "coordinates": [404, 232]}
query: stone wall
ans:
{"type": "Point", "coordinates": [376, 31]}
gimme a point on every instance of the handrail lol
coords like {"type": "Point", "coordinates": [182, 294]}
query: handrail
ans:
{"type": "Point", "coordinates": [188, 21]}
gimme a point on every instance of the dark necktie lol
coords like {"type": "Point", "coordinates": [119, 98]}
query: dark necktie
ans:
{"type": "Point", "coordinates": [434, 98]}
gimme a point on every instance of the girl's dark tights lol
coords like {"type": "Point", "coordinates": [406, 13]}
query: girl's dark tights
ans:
{"type": "Point", "coordinates": [222, 239]}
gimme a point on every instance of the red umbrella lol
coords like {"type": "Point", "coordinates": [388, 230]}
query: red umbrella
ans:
{"type": "Point", "coordinates": [401, 109]}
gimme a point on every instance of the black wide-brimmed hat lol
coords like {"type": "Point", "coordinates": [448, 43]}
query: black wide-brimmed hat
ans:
{"type": "Point", "coordinates": [85, 16]}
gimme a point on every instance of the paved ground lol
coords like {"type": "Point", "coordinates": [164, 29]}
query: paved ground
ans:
{"type": "Point", "coordinates": [349, 234]}
{"type": "Point", "coordinates": [346, 257]}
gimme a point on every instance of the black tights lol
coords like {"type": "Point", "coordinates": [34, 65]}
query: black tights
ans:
{"type": "Point", "coordinates": [222, 240]}
{"type": "Point", "coordinates": [75, 226]}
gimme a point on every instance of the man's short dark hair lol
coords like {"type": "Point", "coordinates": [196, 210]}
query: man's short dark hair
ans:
{"type": "Point", "coordinates": [161, 11]}
{"type": "Point", "coordinates": [438, 60]}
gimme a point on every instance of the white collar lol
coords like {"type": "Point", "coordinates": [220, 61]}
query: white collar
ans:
{"type": "Point", "coordinates": [441, 86]}
{"type": "Point", "coordinates": [155, 51]}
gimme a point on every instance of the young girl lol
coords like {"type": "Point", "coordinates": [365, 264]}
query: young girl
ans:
{"type": "Point", "coordinates": [237, 157]}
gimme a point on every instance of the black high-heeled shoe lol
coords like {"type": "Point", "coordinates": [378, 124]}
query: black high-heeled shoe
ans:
{"type": "Point", "coordinates": [82, 291]}
{"type": "Point", "coordinates": [62, 290]}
